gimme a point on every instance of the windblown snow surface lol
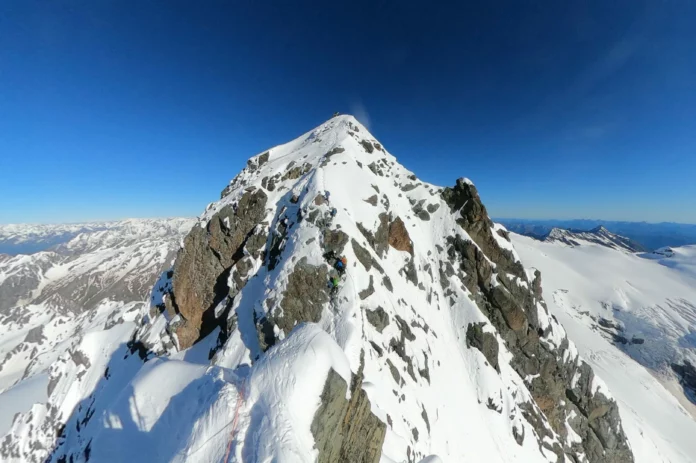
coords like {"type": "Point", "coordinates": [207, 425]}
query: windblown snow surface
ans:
{"type": "Point", "coordinates": [442, 400]}
{"type": "Point", "coordinates": [649, 297]}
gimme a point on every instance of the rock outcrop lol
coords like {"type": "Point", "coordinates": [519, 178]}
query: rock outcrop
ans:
{"type": "Point", "coordinates": [345, 429]}
{"type": "Point", "coordinates": [561, 387]}
{"type": "Point", "coordinates": [205, 261]}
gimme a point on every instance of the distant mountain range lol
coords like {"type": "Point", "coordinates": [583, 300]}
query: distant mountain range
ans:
{"type": "Point", "coordinates": [650, 235]}
{"type": "Point", "coordinates": [599, 235]}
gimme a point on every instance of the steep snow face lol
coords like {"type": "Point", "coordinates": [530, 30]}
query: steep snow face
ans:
{"type": "Point", "coordinates": [632, 317]}
{"type": "Point", "coordinates": [98, 282]}
{"type": "Point", "coordinates": [599, 235]}
{"type": "Point", "coordinates": [254, 358]}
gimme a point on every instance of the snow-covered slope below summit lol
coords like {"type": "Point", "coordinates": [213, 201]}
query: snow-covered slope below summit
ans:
{"type": "Point", "coordinates": [599, 235]}
{"type": "Point", "coordinates": [631, 318]}
{"type": "Point", "coordinates": [50, 300]}
{"type": "Point", "coordinates": [436, 347]}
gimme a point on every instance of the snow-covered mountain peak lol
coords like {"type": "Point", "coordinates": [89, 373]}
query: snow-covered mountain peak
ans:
{"type": "Point", "coordinates": [597, 236]}
{"type": "Point", "coordinates": [330, 306]}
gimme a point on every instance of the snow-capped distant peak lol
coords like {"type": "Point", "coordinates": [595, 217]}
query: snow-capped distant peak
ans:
{"type": "Point", "coordinates": [598, 236]}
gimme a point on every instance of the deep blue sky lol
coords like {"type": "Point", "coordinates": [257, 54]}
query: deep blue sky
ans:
{"type": "Point", "coordinates": [114, 109]}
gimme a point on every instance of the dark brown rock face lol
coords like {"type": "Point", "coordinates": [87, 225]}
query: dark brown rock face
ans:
{"type": "Point", "coordinates": [399, 238]}
{"type": "Point", "coordinates": [474, 219]}
{"type": "Point", "coordinates": [346, 430]}
{"type": "Point", "coordinates": [204, 263]}
{"type": "Point", "coordinates": [485, 342]}
{"type": "Point", "coordinates": [512, 309]}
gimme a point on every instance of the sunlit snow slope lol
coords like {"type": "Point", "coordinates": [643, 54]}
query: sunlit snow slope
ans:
{"type": "Point", "coordinates": [632, 316]}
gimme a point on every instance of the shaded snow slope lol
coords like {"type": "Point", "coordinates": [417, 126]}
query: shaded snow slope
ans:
{"type": "Point", "coordinates": [631, 318]}
{"type": "Point", "coordinates": [437, 345]}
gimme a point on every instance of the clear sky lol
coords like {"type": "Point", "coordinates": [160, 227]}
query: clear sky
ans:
{"type": "Point", "coordinates": [578, 109]}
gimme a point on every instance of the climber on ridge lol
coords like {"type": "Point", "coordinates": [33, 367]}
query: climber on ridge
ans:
{"type": "Point", "coordinates": [333, 212]}
{"type": "Point", "coordinates": [333, 284]}
{"type": "Point", "coordinates": [341, 265]}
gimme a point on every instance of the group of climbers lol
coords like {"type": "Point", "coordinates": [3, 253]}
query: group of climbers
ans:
{"type": "Point", "coordinates": [339, 267]}
{"type": "Point", "coordinates": [327, 198]}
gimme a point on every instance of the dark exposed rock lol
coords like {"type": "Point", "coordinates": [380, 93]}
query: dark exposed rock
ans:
{"type": "Point", "coordinates": [380, 239]}
{"type": "Point", "coordinates": [367, 292]}
{"type": "Point", "coordinates": [409, 271]}
{"type": "Point", "coordinates": [518, 435]}
{"type": "Point", "coordinates": [425, 373]}
{"type": "Point", "coordinates": [503, 234]}
{"type": "Point", "coordinates": [432, 208]}
{"type": "Point", "coordinates": [385, 201]}
{"type": "Point", "coordinates": [35, 335]}
{"type": "Point", "coordinates": [367, 146]}
{"type": "Point", "coordinates": [512, 308]}
{"type": "Point", "coordinates": [277, 242]}
{"type": "Point", "coordinates": [394, 372]}
{"type": "Point", "coordinates": [347, 430]}
{"type": "Point", "coordinates": [263, 159]}
{"type": "Point", "coordinates": [204, 262]}
{"type": "Point", "coordinates": [362, 254]}
{"type": "Point", "coordinates": [399, 238]}
{"type": "Point", "coordinates": [375, 169]}
{"type": "Point", "coordinates": [491, 405]}
{"type": "Point", "coordinates": [687, 376]}
{"type": "Point", "coordinates": [485, 342]}
{"type": "Point", "coordinates": [474, 219]}
{"type": "Point", "coordinates": [424, 415]}
{"type": "Point", "coordinates": [408, 187]}
{"type": "Point", "coordinates": [333, 151]}
{"type": "Point", "coordinates": [536, 284]}
{"type": "Point", "coordinates": [382, 235]}
{"type": "Point", "coordinates": [335, 241]}
{"type": "Point", "coordinates": [406, 332]}
{"type": "Point", "coordinates": [304, 297]}
{"type": "Point", "coordinates": [377, 349]}
{"type": "Point", "coordinates": [378, 318]}
{"type": "Point", "coordinates": [372, 200]}
{"type": "Point", "coordinates": [319, 200]}
{"type": "Point", "coordinates": [386, 281]}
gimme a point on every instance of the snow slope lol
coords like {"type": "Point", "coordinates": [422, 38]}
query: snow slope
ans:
{"type": "Point", "coordinates": [602, 295]}
{"type": "Point", "coordinates": [238, 363]}
{"type": "Point", "coordinates": [51, 300]}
